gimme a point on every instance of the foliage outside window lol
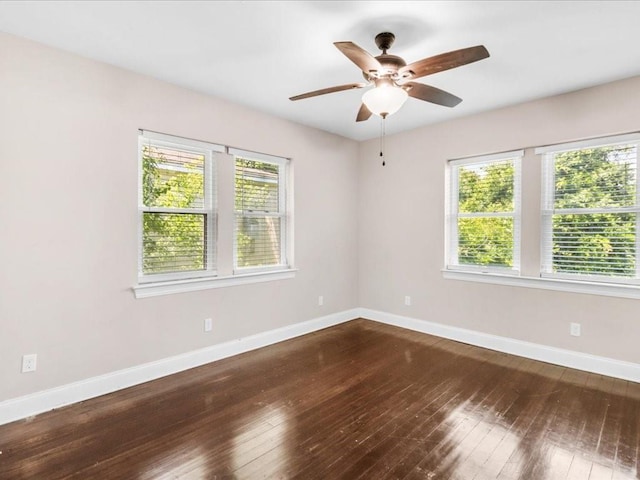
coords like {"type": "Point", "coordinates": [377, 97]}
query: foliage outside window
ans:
{"type": "Point", "coordinates": [590, 212]}
{"type": "Point", "coordinates": [176, 209]}
{"type": "Point", "coordinates": [484, 213]}
{"type": "Point", "coordinates": [182, 184]}
{"type": "Point", "coordinates": [260, 213]}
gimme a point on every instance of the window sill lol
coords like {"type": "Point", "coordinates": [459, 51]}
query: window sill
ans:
{"type": "Point", "coordinates": [144, 290]}
{"type": "Point", "coordinates": [562, 285]}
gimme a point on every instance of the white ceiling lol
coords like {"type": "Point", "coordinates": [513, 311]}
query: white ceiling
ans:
{"type": "Point", "coordinates": [261, 53]}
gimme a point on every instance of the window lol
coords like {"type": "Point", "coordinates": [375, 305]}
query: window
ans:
{"type": "Point", "coordinates": [588, 218]}
{"type": "Point", "coordinates": [210, 216]}
{"type": "Point", "coordinates": [260, 212]}
{"type": "Point", "coordinates": [176, 207]}
{"type": "Point", "coordinates": [484, 213]}
{"type": "Point", "coordinates": [590, 210]}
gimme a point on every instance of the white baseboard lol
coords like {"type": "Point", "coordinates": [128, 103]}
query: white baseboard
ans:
{"type": "Point", "coordinates": [39, 402]}
{"type": "Point", "coordinates": [557, 356]}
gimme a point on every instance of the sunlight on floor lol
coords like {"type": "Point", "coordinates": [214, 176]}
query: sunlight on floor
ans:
{"type": "Point", "coordinates": [479, 446]}
{"type": "Point", "coordinates": [192, 465]}
{"type": "Point", "coordinates": [261, 448]}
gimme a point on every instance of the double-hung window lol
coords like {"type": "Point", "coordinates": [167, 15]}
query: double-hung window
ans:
{"type": "Point", "coordinates": [483, 213]}
{"type": "Point", "coordinates": [176, 208]}
{"type": "Point", "coordinates": [260, 212]}
{"type": "Point", "coordinates": [590, 208]}
{"type": "Point", "coordinates": [210, 216]}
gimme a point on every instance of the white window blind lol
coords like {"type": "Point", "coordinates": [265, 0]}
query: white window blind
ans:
{"type": "Point", "coordinates": [590, 210]}
{"type": "Point", "coordinates": [260, 212]}
{"type": "Point", "coordinates": [176, 207]}
{"type": "Point", "coordinates": [483, 213]}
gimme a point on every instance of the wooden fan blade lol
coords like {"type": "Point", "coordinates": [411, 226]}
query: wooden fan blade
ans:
{"type": "Point", "coordinates": [363, 59]}
{"type": "Point", "coordinates": [431, 94]}
{"type": "Point", "coordinates": [445, 61]}
{"type": "Point", "coordinates": [363, 114]}
{"type": "Point", "coordinates": [339, 88]}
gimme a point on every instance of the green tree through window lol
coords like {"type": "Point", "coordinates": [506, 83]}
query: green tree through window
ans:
{"type": "Point", "coordinates": [258, 192]}
{"type": "Point", "coordinates": [486, 189]}
{"type": "Point", "coordinates": [173, 228]}
{"type": "Point", "coordinates": [593, 227]}
{"type": "Point", "coordinates": [182, 184]}
{"type": "Point", "coordinates": [485, 213]}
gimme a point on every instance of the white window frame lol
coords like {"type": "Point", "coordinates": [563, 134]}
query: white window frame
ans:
{"type": "Point", "coordinates": [547, 208]}
{"type": "Point", "coordinates": [283, 212]}
{"type": "Point", "coordinates": [146, 138]}
{"type": "Point", "coordinates": [452, 215]}
{"type": "Point", "coordinates": [534, 279]}
{"type": "Point", "coordinates": [218, 178]}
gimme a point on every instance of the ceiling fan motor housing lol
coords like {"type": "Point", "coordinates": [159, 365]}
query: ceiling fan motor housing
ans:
{"type": "Point", "coordinates": [390, 63]}
{"type": "Point", "coordinates": [390, 66]}
{"type": "Point", "coordinates": [384, 41]}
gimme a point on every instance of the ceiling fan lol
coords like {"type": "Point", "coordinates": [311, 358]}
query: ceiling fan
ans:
{"type": "Point", "coordinates": [393, 78]}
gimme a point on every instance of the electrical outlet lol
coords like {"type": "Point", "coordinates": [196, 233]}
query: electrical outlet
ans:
{"type": "Point", "coordinates": [320, 300]}
{"type": "Point", "coordinates": [29, 363]}
{"type": "Point", "coordinates": [407, 300]}
{"type": "Point", "coordinates": [208, 324]}
{"type": "Point", "coordinates": [575, 329]}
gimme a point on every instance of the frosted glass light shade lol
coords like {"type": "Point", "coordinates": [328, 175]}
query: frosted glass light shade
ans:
{"type": "Point", "coordinates": [385, 99]}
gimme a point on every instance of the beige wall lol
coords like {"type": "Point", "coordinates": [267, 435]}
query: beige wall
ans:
{"type": "Point", "coordinates": [401, 225]}
{"type": "Point", "coordinates": [68, 174]}
{"type": "Point", "coordinates": [365, 235]}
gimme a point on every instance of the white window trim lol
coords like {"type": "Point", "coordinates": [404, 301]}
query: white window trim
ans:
{"type": "Point", "coordinates": [283, 213]}
{"type": "Point", "coordinates": [546, 283]}
{"type": "Point", "coordinates": [596, 285]}
{"type": "Point", "coordinates": [451, 214]}
{"type": "Point", "coordinates": [547, 211]}
{"type": "Point", "coordinates": [592, 142]}
{"type": "Point", "coordinates": [195, 284]}
{"type": "Point", "coordinates": [182, 282]}
{"type": "Point", "coordinates": [208, 209]}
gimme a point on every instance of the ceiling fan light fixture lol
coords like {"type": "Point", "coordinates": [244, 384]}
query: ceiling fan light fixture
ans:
{"type": "Point", "coordinates": [384, 99]}
{"type": "Point", "coordinates": [387, 97]}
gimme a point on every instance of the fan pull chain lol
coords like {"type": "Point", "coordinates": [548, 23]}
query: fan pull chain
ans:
{"type": "Point", "coordinates": [382, 134]}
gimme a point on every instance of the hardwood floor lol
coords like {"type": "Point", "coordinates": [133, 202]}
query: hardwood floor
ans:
{"type": "Point", "coordinates": [360, 400]}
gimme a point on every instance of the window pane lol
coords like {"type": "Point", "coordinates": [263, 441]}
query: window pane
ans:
{"type": "Point", "coordinates": [172, 178]}
{"type": "Point", "coordinates": [485, 241]}
{"type": "Point", "coordinates": [486, 187]}
{"type": "Point", "coordinates": [596, 177]}
{"type": "Point", "coordinates": [173, 242]}
{"type": "Point", "coordinates": [258, 241]}
{"type": "Point", "coordinates": [257, 186]}
{"type": "Point", "coordinates": [596, 244]}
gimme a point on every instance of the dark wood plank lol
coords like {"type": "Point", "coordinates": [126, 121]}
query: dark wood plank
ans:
{"type": "Point", "coordinates": [359, 400]}
{"type": "Point", "coordinates": [627, 442]}
{"type": "Point", "coordinates": [517, 419]}
{"type": "Point", "coordinates": [440, 451]}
